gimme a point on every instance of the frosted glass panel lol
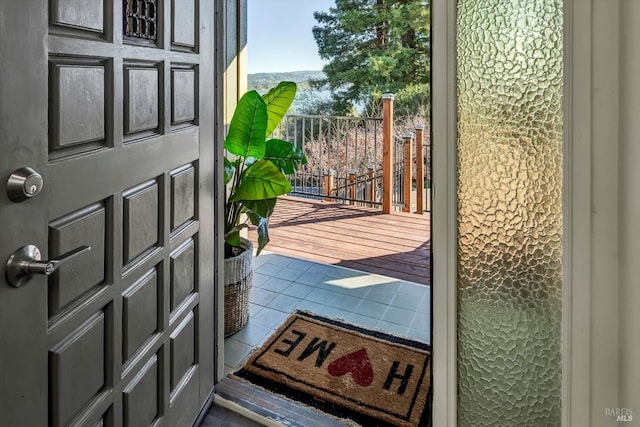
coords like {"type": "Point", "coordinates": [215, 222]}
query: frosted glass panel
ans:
{"type": "Point", "coordinates": [509, 57]}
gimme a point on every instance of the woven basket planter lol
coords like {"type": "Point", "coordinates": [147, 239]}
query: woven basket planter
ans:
{"type": "Point", "coordinates": [238, 278]}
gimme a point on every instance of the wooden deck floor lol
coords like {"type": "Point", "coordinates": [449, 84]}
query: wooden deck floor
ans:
{"type": "Point", "coordinates": [396, 245]}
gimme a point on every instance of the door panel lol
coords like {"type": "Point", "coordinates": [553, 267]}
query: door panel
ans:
{"type": "Point", "coordinates": [106, 100]}
{"type": "Point", "coordinates": [140, 314]}
{"type": "Point", "coordinates": [140, 221]}
{"type": "Point", "coordinates": [76, 369]}
{"type": "Point", "coordinates": [77, 105]}
{"type": "Point", "coordinates": [85, 273]}
{"type": "Point", "coordinates": [140, 401]}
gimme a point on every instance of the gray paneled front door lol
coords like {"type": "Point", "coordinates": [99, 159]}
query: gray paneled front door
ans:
{"type": "Point", "coordinates": [112, 104]}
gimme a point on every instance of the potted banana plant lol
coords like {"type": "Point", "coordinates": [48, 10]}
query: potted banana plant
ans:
{"type": "Point", "coordinates": [255, 170]}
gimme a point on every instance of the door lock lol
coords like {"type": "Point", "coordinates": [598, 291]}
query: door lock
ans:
{"type": "Point", "coordinates": [23, 184]}
{"type": "Point", "coordinates": [26, 262]}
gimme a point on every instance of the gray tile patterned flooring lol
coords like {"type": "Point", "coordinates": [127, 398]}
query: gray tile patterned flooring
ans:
{"type": "Point", "coordinates": [282, 284]}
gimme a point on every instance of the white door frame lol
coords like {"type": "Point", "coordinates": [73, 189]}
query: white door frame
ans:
{"type": "Point", "coordinates": [578, 363]}
{"type": "Point", "coordinates": [443, 213]}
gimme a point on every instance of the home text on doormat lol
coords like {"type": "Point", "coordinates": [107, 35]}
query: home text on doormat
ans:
{"type": "Point", "coordinates": [369, 376]}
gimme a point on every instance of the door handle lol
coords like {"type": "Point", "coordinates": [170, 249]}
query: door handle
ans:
{"type": "Point", "coordinates": [26, 262]}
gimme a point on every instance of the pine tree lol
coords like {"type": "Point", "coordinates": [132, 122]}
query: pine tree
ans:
{"type": "Point", "coordinates": [373, 47]}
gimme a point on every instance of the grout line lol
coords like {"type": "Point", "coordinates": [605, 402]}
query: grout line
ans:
{"type": "Point", "coordinates": [315, 268]}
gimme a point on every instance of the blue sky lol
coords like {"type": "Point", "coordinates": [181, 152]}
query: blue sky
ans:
{"type": "Point", "coordinates": [279, 35]}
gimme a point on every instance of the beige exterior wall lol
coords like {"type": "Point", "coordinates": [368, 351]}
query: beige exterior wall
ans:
{"type": "Point", "coordinates": [235, 55]}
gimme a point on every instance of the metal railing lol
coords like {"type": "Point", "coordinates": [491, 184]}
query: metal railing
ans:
{"type": "Point", "coordinates": [346, 158]}
{"type": "Point", "coordinates": [398, 183]}
{"type": "Point", "coordinates": [336, 146]}
{"type": "Point", "coordinates": [361, 189]}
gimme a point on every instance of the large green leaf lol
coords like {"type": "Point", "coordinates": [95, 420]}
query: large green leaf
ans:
{"type": "Point", "coordinates": [262, 226]}
{"type": "Point", "coordinates": [261, 180]}
{"type": "Point", "coordinates": [263, 208]}
{"type": "Point", "coordinates": [233, 237]}
{"type": "Point", "coordinates": [284, 155]}
{"type": "Point", "coordinates": [229, 169]}
{"type": "Point", "coordinates": [247, 130]}
{"type": "Point", "coordinates": [278, 101]}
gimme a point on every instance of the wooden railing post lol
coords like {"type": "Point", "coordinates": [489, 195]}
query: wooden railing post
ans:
{"type": "Point", "coordinates": [352, 186]}
{"type": "Point", "coordinates": [371, 185]}
{"type": "Point", "coordinates": [329, 184]}
{"type": "Point", "coordinates": [387, 152]}
{"type": "Point", "coordinates": [419, 170]}
{"type": "Point", "coordinates": [408, 171]}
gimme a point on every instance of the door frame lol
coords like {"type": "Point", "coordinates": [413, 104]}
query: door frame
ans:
{"type": "Point", "coordinates": [219, 191]}
{"type": "Point", "coordinates": [578, 189]}
{"type": "Point", "coordinates": [231, 81]}
{"type": "Point", "coordinates": [443, 212]}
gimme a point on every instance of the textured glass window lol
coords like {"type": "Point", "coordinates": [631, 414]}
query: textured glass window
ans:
{"type": "Point", "coordinates": [509, 55]}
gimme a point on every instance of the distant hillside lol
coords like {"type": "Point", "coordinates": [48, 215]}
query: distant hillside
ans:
{"type": "Point", "coordinates": [262, 82]}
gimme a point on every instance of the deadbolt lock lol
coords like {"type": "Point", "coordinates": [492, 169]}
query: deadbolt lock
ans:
{"type": "Point", "coordinates": [23, 184]}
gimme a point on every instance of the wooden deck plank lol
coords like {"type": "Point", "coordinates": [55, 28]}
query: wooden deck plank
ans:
{"type": "Point", "coordinates": [406, 236]}
{"type": "Point", "coordinates": [396, 262]}
{"type": "Point", "coordinates": [397, 245]}
{"type": "Point", "coordinates": [359, 241]}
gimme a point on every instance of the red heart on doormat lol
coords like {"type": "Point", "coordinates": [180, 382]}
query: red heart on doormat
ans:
{"type": "Point", "coordinates": [357, 363]}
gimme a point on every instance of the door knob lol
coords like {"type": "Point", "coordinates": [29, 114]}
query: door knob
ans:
{"type": "Point", "coordinates": [26, 262]}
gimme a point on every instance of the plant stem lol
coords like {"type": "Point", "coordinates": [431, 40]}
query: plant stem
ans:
{"type": "Point", "coordinates": [235, 207]}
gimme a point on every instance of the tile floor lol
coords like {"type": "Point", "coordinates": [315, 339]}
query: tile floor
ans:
{"type": "Point", "coordinates": [282, 284]}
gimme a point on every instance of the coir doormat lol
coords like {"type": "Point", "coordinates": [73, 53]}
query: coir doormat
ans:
{"type": "Point", "coordinates": [371, 377]}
